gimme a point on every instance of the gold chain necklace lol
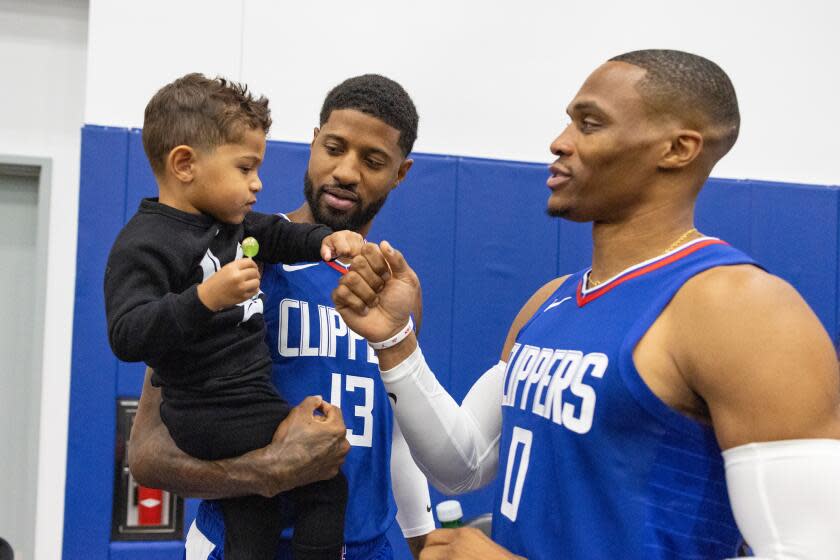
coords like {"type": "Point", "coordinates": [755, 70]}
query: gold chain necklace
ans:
{"type": "Point", "coordinates": [590, 283]}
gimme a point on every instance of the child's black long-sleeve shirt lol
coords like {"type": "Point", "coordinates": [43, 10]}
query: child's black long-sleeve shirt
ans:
{"type": "Point", "coordinates": [153, 310]}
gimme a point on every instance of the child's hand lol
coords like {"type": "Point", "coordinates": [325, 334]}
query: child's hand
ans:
{"type": "Point", "coordinates": [343, 243]}
{"type": "Point", "coordinates": [234, 283]}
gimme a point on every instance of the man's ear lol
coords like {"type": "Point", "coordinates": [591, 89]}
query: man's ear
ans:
{"type": "Point", "coordinates": [181, 163]}
{"type": "Point", "coordinates": [314, 136]}
{"type": "Point", "coordinates": [684, 148]}
{"type": "Point", "coordinates": [401, 172]}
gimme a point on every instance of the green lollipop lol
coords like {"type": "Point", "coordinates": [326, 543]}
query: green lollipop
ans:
{"type": "Point", "coordinates": [250, 247]}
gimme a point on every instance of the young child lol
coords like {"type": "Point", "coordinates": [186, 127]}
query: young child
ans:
{"type": "Point", "coordinates": [180, 297]}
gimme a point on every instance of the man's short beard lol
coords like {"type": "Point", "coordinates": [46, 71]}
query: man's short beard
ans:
{"type": "Point", "coordinates": [353, 219]}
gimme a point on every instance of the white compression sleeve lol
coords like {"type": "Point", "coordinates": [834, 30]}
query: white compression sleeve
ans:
{"type": "Point", "coordinates": [786, 497]}
{"type": "Point", "coordinates": [456, 447]}
{"type": "Point", "coordinates": [411, 491]}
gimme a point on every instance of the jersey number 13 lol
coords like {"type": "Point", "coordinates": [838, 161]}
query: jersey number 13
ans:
{"type": "Point", "coordinates": [352, 384]}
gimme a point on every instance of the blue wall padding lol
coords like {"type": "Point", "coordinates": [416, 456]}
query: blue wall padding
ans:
{"type": "Point", "coordinates": [505, 249]}
{"type": "Point", "coordinates": [419, 219]}
{"type": "Point", "coordinates": [141, 180]}
{"type": "Point", "coordinates": [282, 175]}
{"type": "Point", "coordinates": [574, 247]}
{"type": "Point", "coordinates": [92, 422]}
{"type": "Point", "coordinates": [794, 234]}
{"type": "Point", "coordinates": [166, 550]}
{"type": "Point", "coordinates": [724, 210]}
{"type": "Point", "coordinates": [476, 233]}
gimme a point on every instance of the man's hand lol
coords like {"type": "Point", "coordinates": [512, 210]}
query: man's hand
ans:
{"type": "Point", "coordinates": [306, 448]}
{"type": "Point", "coordinates": [237, 281]}
{"type": "Point", "coordinates": [342, 243]}
{"type": "Point", "coordinates": [415, 545]}
{"type": "Point", "coordinates": [377, 294]}
{"type": "Point", "coordinates": [465, 543]}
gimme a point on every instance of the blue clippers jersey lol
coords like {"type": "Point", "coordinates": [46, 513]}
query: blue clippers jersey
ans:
{"type": "Point", "coordinates": [314, 353]}
{"type": "Point", "coordinates": [592, 464]}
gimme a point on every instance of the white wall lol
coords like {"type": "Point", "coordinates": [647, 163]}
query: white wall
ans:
{"type": "Point", "coordinates": [42, 61]}
{"type": "Point", "coordinates": [490, 79]}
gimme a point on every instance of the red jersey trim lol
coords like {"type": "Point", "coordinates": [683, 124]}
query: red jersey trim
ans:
{"type": "Point", "coordinates": [601, 290]}
{"type": "Point", "coordinates": [336, 266]}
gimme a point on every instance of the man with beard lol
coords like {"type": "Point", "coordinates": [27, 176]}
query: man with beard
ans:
{"type": "Point", "coordinates": [669, 401]}
{"type": "Point", "coordinates": [368, 125]}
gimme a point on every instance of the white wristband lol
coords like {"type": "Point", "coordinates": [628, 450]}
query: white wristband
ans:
{"type": "Point", "coordinates": [396, 339]}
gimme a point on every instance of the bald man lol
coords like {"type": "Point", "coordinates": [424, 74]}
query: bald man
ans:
{"type": "Point", "coordinates": [670, 401]}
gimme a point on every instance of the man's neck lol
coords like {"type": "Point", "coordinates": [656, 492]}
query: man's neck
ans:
{"type": "Point", "coordinates": [644, 236]}
{"type": "Point", "coordinates": [303, 215]}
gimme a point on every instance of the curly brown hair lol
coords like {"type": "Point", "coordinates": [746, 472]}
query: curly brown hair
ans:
{"type": "Point", "coordinates": [202, 113]}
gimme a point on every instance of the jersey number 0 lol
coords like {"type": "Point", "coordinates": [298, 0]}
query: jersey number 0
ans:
{"type": "Point", "coordinates": [521, 439]}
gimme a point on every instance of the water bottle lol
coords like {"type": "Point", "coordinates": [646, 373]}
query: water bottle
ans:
{"type": "Point", "coordinates": [449, 514]}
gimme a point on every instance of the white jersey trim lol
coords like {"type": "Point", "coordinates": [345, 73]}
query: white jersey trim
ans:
{"type": "Point", "coordinates": [585, 282]}
{"type": "Point", "coordinates": [197, 546]}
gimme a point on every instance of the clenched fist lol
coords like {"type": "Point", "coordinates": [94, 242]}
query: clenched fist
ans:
{"type": "Point", "coordinates": [306, 447]}
{"type": "Point", "coordinates": [342, 243]}
{"type": "Point", "coordinates": [377, 294]}
{"type": "Point", "coordinates": [234, 283]}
